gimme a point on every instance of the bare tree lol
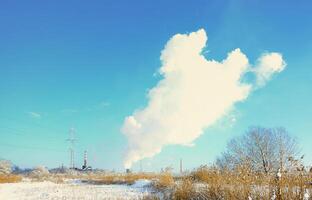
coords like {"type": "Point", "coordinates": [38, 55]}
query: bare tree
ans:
{"type": "Point", "coordinates": [287, 148]}
{"type": "Point", "coordinates": [261, 149]}
{"type": "Point", "coordinates": [5, 167]}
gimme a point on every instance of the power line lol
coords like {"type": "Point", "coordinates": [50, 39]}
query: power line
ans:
{"type": "Point", "coordinates": [34, 124]}
{"type": "Point", "coordinates": [17, 132]}
{"type": "Point", "coordinates": [28, 147]}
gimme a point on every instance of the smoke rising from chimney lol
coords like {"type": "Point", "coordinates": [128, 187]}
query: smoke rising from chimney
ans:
{"type": "Point", "coordinates": [193, 94]}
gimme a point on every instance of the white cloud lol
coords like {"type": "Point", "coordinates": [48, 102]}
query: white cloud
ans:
{"type": "Point", "coordinates": [69, 111]}
{"type": "Point", "coordinates": [104, 104]}
{"type": "Point", "coordinates": [34, 115]}
{"type": "Point", "coordinates": [268, 64]}
{"type": "Point", "coordinates": [193, 94]}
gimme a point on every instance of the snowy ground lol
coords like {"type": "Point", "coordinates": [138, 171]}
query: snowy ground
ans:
{"type": "Point", "coordinates": [73, 191]}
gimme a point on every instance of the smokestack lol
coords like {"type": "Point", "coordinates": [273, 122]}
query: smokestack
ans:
{"type": "Point", "coordinates": [85, 159]}
{"type": "Point", "coordinates": [84, 166]}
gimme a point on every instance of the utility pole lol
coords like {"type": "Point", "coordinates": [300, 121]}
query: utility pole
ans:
{"type": "Point", "coordinates": [141, 169]}
{"type": "Point", "coordinates": [71, 141]}
{"type": "Point", "coordinates": [181, 169]}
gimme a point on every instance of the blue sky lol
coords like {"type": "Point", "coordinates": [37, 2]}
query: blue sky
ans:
{"type": "Point", "coordinates": [88, 65]}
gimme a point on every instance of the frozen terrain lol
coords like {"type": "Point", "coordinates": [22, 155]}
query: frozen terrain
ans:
{"type": "Point", "coordinates": [73, 191]}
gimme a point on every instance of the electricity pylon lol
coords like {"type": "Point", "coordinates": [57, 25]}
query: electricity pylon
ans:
{"type": "Point", "coordinates": [71, 141]}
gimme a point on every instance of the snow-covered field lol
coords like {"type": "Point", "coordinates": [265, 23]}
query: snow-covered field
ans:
{"type": "Point", "coordinates": [73, 191]}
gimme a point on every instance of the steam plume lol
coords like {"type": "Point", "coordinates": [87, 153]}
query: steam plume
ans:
{"type": "Point", "coordinates": [193, 94]}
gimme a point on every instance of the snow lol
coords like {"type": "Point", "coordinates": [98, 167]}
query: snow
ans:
{"type": "Point", "coordinates": [142, 183]}
{"type": "Point", "coordinates": [73, 191]}
{"type": "Point", "coordinates": [306, 195]}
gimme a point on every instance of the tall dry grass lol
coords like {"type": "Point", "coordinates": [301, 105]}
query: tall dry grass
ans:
{"type": "Point", "coordinates": [164, 181]}
{"type": "Point", "coordinates": [293, 186]}
{"type": "Point", "coordinates": [119, 178]}
{"type": "Point", "coordinates": [10, 178]}
{"type": "Point", "coordinates": [184, 190]}
{"type": "Point", "coordinates": [210, 183]}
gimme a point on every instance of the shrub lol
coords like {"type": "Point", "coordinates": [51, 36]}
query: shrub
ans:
{"type": "Point", "coordinates": [164, 181]}
{"type": "Point", "coordinates": [184, 190]}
